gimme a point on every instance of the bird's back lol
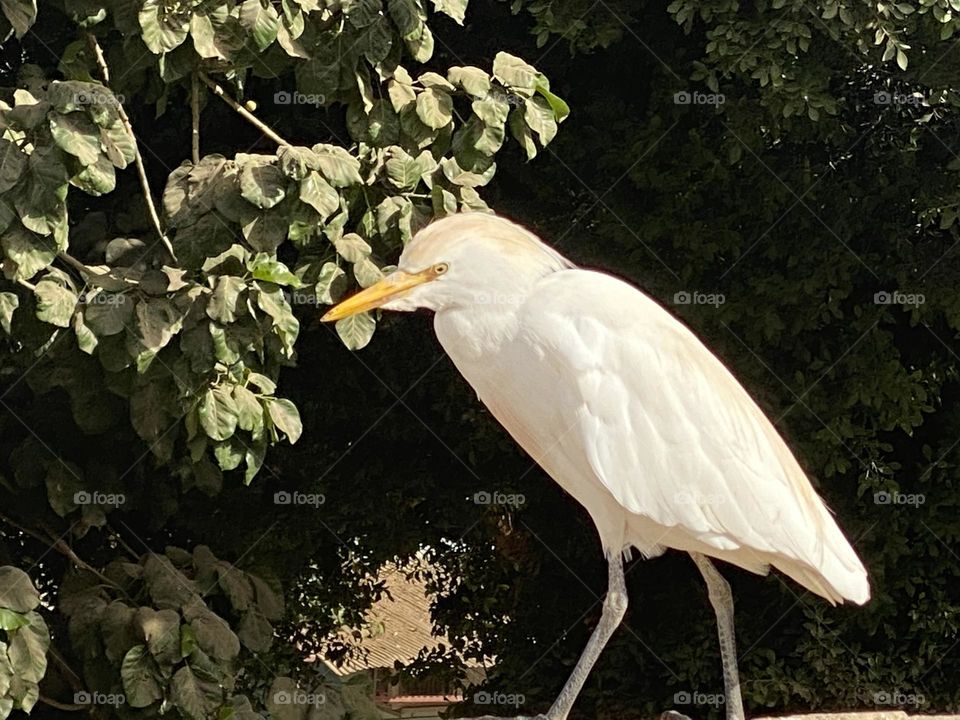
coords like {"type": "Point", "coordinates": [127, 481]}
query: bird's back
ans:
{"type": "Point", "coordinates": [632, 415]}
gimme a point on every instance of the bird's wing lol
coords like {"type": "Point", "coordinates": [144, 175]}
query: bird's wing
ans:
{"type": "Point", "coordinates": [670, 432]}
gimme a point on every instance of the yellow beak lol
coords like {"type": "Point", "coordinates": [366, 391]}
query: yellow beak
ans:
{"type": "Point", "coordinates": [392, 286]}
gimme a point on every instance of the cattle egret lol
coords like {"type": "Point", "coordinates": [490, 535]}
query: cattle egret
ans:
{"type": "Point", "coordinates": [628, 411]}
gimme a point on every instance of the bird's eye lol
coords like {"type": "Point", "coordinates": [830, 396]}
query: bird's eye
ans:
{"type": "Point", "coordinates": [440, 268]}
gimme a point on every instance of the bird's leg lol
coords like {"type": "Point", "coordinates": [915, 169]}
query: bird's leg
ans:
{"type": "Point", "coordinates": [721, 598]}
{"type": "Point", "coordinates": [614, 608]}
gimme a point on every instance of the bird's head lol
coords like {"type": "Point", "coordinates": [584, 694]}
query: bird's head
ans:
{"type": "Point", "coordinates": [464, 259]}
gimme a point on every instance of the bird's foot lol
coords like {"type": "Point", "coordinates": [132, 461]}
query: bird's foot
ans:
{"type": "Point", "coordinates": [673, 715]}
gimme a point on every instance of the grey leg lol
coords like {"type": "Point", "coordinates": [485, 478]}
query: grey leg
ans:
{"type": "Point", "coordinates": [614, 608]}
{"type": "Point", "coordinates": [721, 598]}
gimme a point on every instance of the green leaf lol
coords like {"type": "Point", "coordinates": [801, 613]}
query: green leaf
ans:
{"type": "Point", "coordinates": [21, 14]}
{"type": "Point", "coordinates": [96, 179]}
{"type": "Point", "coordinates": [330, 283]}
{"type": "Point", "coordinates": [222, 304]}
{"type": "Point", "coordinates": [285, 325]}
{"type": "Point", "coordinates": [108, 313]}
{"type": "Point", "coordinates": [76, 134]}
{"type": "Point", "coordinates": [55, 303]}
{"type": "Point", "coordinates": [17, 591]}
{"type": "Point", "coordinates": [337, 165]}
{"type": "Point", "coordinates": [140, 678]}
{"type": "Point", "coordinates": [213, 633]}
{"type": "Point", "coordinates": [197, 699]}
{"type": "Point", "coordinates": [357, 330]}
{"type": "Point", "coordinates": [13, 163]}
{"type": "Point", "coordinates": [352, 247]}
{"type": "Point", "coordinates": [161, 630]}
{"type": "Point", "coordinates": [261, 21]}
{"type": "Point", "coordinates": [318, 193]}
{"type": "Point", "coordinates": [434, 108]}
{"type": "Point", "coordinates": [262, 185]}
{"type": "Point", "coordinates": [265, 267]}
{"type": "Point", "coordinates": [286, 417]}
{"type": "Point", "coordinates": [249, 410]}
{"type": "Point", "coordinates": [473, 80]}
{"type": "Point", "coordinates": [255, 632]}
{"type": "Point", "coordinates": [559, 107]}
{"type": "Point", "coordinates": [366, 272]}
{"type": "Point", "coordinates": [218, 413]}
{"type": "Point", "coordinates": [8, 303]}
{"type": "Point", "coordinates": [539, 117]}
{"type": "Point", "coordinates": [10, 620]}
{"type": "Point", "coordinates": [86, 339]}
{"type": "Point", "coordinates": [30, 252]}
{"type": "Point", "coordinates": [456, 9]}
{"type": "Point", "coordinates": [266, 385]}
{"type": "Point", "coordinates": [159, 320]}
{"type": "Point", "coordinates": [165, 25]}
{"type": "Point", "coordinates": [28, 648]}
{"type": "Point", "coordinates": [515, 73]}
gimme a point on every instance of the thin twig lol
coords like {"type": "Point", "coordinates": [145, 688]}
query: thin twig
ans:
{"type": "Point", "coordinates": [123, 542]}
{"type": "Point", "coordinates": [247, 115]}
{"type": "Point", "coordinates": [75, 682]}
{"type": "Point", "coordinates": [141, 170]}
{"type": "Point", "coordinates": [195, 107]}
{"type": "Point", "coordinates": [27, 284]}
{"type": "Point", "coordinates": [73, 262]}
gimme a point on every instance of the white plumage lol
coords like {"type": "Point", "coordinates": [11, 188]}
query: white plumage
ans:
{"type": "Point", "coordinates": [622, 405]}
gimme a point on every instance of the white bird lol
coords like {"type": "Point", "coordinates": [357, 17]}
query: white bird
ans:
{"type": "Point", "coordinates": [628, 411]}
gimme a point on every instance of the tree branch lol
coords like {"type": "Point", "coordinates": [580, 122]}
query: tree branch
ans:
{"type": "Point", "coordinates": [69, 707]}
{"type": "Point", "coordinates": [246, 114]}
{"type": "Point", "coordinates": [195, 111]}
{"type": "Point", "coordinates": [141, 170]}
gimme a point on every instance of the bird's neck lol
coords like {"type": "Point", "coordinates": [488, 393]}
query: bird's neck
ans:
{"type": "Point", "coordinates": [476, 332]}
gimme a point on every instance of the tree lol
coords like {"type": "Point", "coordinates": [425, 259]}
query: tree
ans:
{"type": "Point", "coordinates": [166, 329]}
